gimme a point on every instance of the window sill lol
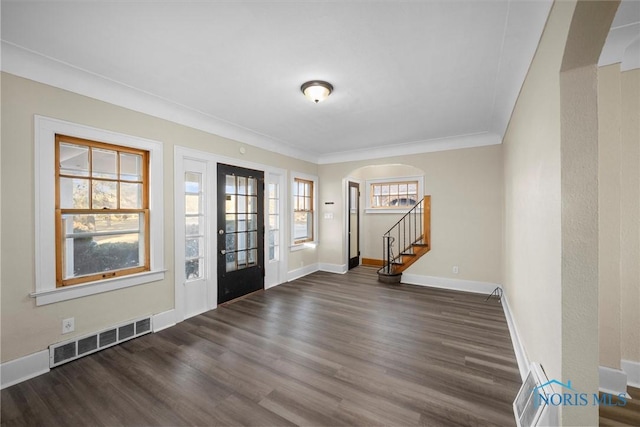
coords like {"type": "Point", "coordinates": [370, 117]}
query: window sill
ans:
{"type": "Point", "coordinates": [301, 246]}
{"type": "Point", "coordinates": [49, 296]}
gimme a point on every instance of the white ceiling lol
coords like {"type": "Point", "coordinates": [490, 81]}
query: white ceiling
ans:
{"type": "Point", "coordinates": [623, 41]}
{"type": "Point", "coordinates": [409, 76]}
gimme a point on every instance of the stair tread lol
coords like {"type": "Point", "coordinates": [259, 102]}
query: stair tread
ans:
{"type": "Point", "coordinates": [419, 244]}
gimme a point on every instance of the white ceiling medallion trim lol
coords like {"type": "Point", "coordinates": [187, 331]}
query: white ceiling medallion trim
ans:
{"type": "Point", "coordinates": [34, 66]}
{"type": "Point", "coordinates": [417, 147]}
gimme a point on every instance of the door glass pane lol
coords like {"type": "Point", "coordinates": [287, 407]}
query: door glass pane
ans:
{"type": "Point", "coordinates": [273, 206]}
{"type": "Point", "coordinates": [192, 182]}
{"type": "Point", "coordinates": [242, 259]}
{"type": "Point", "coordinates": [241, 241]}
{"type": "Point", "coordinates": [193, 226]}
{"type": "Point", "coordinates": [253, 186]}
{"type": "Point", "coordinates": [252, 204]}
{"type": "Point", "coordinates": [192, 269]}
{"type": "Point", "coordinates": [231, 261]}
{"type": "Point", "coordinates": [192, 249]}
{"type": "Point", "coordinates": [230, 204]}
{"type": "Point", "coordinates": [230, 184]}
{"type": "Point", "coordinates": [242, 185]}
{"type": "Point", "coordinates": [242, 222]}
{"type": "Point", "coordinates": [242, 204]}
{"type": "Point", "coordinates": [252, 257]}
{"type": "Point", "coordinates": [252, 222]}
{"type": "Point", "coordinates": [192, 204]}
{"type": "Point", "coordinates": [230, 242]}
{"type": "Point", "coordinates": [253, 240]}
{"type": "Point", "coordinates": [230, 220]}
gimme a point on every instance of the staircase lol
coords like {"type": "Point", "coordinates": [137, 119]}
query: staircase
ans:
{"type": "Point", "coordinates": [406, 241]}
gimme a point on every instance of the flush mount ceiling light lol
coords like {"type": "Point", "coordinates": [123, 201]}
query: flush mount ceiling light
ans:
{"type": "Point", "coordinates": [317, 90]}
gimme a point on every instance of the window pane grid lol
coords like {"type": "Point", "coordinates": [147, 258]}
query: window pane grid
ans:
{"type": "Point", "coordinates": [102, 208]}
{"type": "Point", "coordinates": [241, 241]}
{"type": "Point", "coordinates": [273, 221]}
{"type": "Point", "coordinates": [194, 220]}
{"type": "Point", "coordinates": [394, 194]}
{"type": "Point", "coordinates": [303, 211]}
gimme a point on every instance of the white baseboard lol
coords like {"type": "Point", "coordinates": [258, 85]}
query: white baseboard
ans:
{"type": "Point", "coordinates": [302, 271]}
{"type": "Point", "coordinates": [446, 283]}
{"type": "Point", "coordinates": [632, 369]}
{"type": "Point", "coordinates": [333, 268]}
{"type": "Point", "coordinates": [613, 381]}
{"type": "Point", "coordinates": [24, 368]}
{"type": "Point", "coordinates": [163, 320]}
{"type": "Point", "coordinates": [518, 346]}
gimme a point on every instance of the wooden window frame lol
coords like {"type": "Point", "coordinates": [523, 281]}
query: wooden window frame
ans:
{"type": "Point", "coordinates": [371, 207]}
{"type": "Point", "coordinates": [311, 210]}
{"type": "Point", "coordinates": [59, 212]}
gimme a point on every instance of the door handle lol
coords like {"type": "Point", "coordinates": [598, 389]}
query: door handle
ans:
{"type": "Point", "coordinates": [223, 252]}
{"type": "Point", "coordinates": [221, 232]}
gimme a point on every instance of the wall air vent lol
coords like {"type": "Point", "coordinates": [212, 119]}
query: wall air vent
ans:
{"type": "Point", "coordinates": [67, 351]}
{"type": "Point", "coordinates": [529, 410]}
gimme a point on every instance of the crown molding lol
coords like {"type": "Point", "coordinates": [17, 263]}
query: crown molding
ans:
{"type": "Point", "coordinates": [34, 66]}
{"type": "Point", "coordinates": [417, 147]}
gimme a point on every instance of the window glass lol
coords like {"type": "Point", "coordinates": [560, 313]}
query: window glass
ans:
{"type": "Point", "coordinates": [101, 209]}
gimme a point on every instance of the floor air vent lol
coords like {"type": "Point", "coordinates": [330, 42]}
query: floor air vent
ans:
{"type": "Point", "coordinates": [70, 350]}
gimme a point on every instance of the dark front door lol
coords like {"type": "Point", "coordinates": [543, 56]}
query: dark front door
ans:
{"type": "Point", "coordinates": [354, 224]}
{"type": "Point", "coordinates": [240, 231]}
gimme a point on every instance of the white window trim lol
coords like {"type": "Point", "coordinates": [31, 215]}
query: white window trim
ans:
{"type": "Point", "coordinates": [312, 244]}
{"type": "Point", "coordinates": [367, 188]}
{"type": "Point", "coordinates": [45, 239]}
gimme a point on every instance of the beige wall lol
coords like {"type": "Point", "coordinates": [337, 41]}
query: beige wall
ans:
{"type": "Point", "coordinates": [27, 328]}
{"type": "Point", "coordinates": [630, 216]}
{"type": "Point", "coordinates": [609, 121]}
{"type": "Point", "coordinates": [466, 212]}
{"type": "Point", "coordinates": [619, 204]}
{"type": "Point", "coordinates": [551, 201]}
{"type": "Point", "coordinates": [531, 148]}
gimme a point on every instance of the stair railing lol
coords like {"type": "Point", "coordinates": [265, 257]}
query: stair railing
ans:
{"type": "Point", "coordinates": [411, 229]}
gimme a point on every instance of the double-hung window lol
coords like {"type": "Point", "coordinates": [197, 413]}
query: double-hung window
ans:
{"type": "Point", "coordinates": [303, 211]}
{"type": "Point", "coordinates": [102, 210]}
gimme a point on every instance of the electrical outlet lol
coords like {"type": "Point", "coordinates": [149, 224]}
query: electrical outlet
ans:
{"type": "Point", "coordinates": [68, 325]}
{"type": "Point", "coordinates": [455, 269]}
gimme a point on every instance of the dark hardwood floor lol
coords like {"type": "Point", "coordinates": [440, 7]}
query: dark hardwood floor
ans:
{"type": "Point", "coordinates": [325, 350]}
{"type": "Point", "coordinates": [627, 415]}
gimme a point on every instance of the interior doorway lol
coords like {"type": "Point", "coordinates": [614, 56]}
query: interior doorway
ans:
{"type": "Point", "coordinates": [354, 224]}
